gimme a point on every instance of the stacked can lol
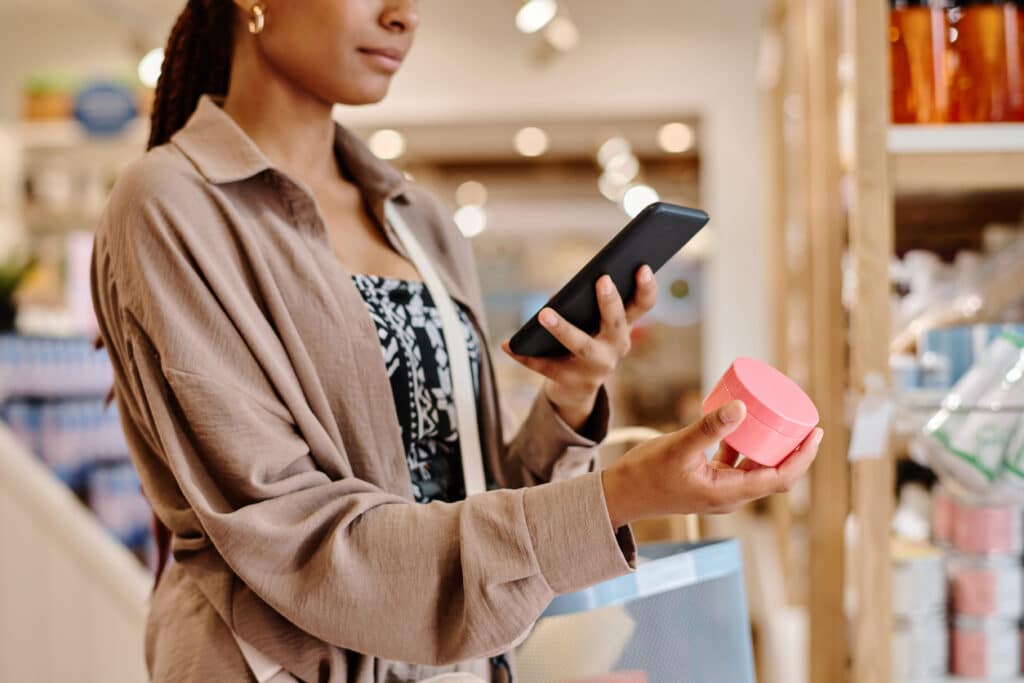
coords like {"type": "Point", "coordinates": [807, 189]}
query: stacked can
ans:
{"type": "Point", "coordinates": [987, 585]}
{"type": "Point", "coordinates": [920, 635]}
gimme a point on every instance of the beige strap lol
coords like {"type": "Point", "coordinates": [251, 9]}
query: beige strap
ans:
{"type": "Point", "coordinates": [458, 355]}
{"type": "Point", "coordinates": [263, 668]}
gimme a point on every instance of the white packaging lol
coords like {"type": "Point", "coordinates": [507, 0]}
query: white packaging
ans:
{"type": "Point", "coordinates": [920, 649]}
{"type": "Point", "coordinates": [918, 580]}
{"type": "Point", "coordinates": [972, 431]}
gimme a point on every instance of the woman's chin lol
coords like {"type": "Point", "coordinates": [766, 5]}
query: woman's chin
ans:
{"type": "Point", "coordinates": [368, 93]}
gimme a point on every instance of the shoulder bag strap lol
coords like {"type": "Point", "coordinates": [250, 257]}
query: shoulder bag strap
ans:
{"type": "Point", "coordinates": [458, 355]}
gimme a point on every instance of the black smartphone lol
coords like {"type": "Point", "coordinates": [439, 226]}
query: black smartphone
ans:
{"type": "Point", "coordinates": [652, 238]}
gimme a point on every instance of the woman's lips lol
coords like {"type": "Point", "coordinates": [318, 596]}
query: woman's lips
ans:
{"type": "Point", "coordinates": [385, 58]}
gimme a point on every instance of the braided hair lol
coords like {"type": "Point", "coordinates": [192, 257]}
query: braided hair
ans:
{"type": "Point", "coordinates": [197, 61]}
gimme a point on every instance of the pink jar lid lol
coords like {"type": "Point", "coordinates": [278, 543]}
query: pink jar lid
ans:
{"type": "Point", "coordinates": [771, 397]}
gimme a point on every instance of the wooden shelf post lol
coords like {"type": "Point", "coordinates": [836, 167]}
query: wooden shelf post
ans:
{"type": "Point", "coordinates": [871, 247]}
{"type": "Point", "coordinates": [826, 232]}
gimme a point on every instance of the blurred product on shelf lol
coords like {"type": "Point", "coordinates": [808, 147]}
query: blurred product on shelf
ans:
{"type": "Point", "coordinates": [37, 367]}
{"type": "Point", "coordinates": [969, 437]}
{"type": "Point", "coordinates": [956, 61]}
{"type": "Point", "coordinates": [919, 59]}
{"type": "Point", "coordinates": [48, 98]}
{"type": "Point", "coordinates": [985, 648]}
{"type": "Point", "coordinates": [976, 288]}
{"type": "Point", "coordinates": [920, 634]}
{"type": "Point", "coordinates": [113, 494]}
{"type": "Point", "coordinates": [943, 514]}
{"type": "Point", "coordinates": [62, 97]}
{"type": "Point", "coordinates": [53, 397]}
{"type": "Point", "coordinates": [987, 585]}
{"type": "Point", "coordinates": [918, 581]}
{"type": "Point", "coordinates": [920, 648]}
{"type": "Point", "coordinates": [987, 84]}
{"type": "Point", "coordinates": [988, 528]}
{"type": "Point", "coordinates": [70, 435]}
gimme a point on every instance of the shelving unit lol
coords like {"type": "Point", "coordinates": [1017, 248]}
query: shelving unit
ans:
{"type": "Point", "coordinates": [841, 168]}
{"type": "Point", "coordinates": [960, 158]}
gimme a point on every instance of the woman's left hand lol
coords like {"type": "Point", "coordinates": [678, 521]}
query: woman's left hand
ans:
{"type": "Point", "coordinates": [572, 382]}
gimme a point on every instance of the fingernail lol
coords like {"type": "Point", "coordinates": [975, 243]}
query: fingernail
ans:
{"type": "Point", "coordinates": [548, 319]}
{"type": "Point", "coordinates": [818, 436]}
{"type": "Point", "coordinates": [732, 412]}
{"type": "Point", "coordinates": [646, 275]}
{"type": "Point", "coordinates": [605, 287]}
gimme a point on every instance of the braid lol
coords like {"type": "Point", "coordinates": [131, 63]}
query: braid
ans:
{"type": "Point", "coordinates": [197, 61]}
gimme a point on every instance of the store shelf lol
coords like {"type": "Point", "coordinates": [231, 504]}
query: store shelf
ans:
{"type": "Point", "coordinates": [40, 221]}
{"type": "Point", "coordinates": [957, 158]}
{"type": "Point", "coordinates": [64, 134]}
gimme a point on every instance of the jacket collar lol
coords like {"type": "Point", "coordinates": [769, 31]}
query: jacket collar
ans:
{"type": "Point", "coordinates": [223, 153]}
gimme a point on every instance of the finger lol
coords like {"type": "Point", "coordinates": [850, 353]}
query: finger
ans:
{"type": "Point", "coordinates": [749, 465]}
{"type": "Point", "coordinates": [711, 428]}
{"type": "Point", "coordinates": [579, 343]}
{"type": "Point", "coordinates": [797, 464]}
{"type": "Point", "coordinates": [613, 314]}
{"type": "Point", "coordinates": [645, 297]}
{"type": "Point", "coordinates": [542, 366]}
{"type": "Point", "coordinates": [738, 485]}
{"type": "Point", "coordinates": [727, 455]}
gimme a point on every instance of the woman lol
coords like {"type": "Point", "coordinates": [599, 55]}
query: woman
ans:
{"type": "Point", "coordinates": [288, 405]}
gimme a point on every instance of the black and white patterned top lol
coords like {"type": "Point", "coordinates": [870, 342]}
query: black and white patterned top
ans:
{"type": "Point", "coordinates": [409, 329]}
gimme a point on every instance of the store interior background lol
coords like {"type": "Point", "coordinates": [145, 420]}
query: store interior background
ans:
{"type": "Point", "coordinates": [773, 137]}
{"type": "Point", "coordinates": [470, 83]}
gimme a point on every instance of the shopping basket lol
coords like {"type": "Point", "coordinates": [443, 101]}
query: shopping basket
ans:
{"type": "Point", "coordinates": [681, 617]}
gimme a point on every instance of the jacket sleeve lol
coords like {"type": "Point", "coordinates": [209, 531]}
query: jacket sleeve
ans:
{"type": "Point", "coordinates": [340, 558]}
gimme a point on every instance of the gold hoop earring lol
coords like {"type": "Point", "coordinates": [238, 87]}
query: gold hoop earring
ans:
{"type": "Point", "coordinates": [257, 19]}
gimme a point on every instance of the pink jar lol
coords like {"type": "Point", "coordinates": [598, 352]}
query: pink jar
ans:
{"type": "Point", "coordinates": [985, 648]}
{"type": "Point", "coordinates": [988, 529]}
{"type": "Point", "coordinates": [987, 586]}
{"type": "Point", "coordinates": [779, 414]}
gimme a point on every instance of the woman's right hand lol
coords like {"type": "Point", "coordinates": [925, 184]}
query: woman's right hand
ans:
{"type": "Point", "coordinates": [671, 474]}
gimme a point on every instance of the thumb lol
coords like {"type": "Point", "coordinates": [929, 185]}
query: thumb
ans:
{"type": "Point", "coordinates": [711, 428]}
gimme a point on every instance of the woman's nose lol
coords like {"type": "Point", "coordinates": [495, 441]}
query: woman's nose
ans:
{"type": "Point", "coordinates": [401, 16]}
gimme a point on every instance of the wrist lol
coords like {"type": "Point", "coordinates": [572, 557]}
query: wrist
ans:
{"type": "Point", "coordinates": [619, 496]}
{"type": "Point", "coordinates": [574, 411]}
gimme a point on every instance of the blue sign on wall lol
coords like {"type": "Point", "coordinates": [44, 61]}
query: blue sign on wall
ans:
{"type": "Point", "coordinates": [105, 108]}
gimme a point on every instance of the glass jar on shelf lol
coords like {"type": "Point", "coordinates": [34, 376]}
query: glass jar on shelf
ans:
{"type": "Point", "coordinates": [987, 84]}
{"type": "Point", "coordinates": [920, 61]}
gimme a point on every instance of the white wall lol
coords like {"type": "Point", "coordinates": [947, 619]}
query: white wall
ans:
{"type": "Point", "coordinates": [663, 57]}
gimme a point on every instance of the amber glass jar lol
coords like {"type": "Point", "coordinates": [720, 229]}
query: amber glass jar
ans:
{"type": "Point", "coordinates": [919, 61]}
{"type": "Point", "coordinates": [987, 83]}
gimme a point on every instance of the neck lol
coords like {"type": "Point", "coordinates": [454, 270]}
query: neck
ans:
{"type": "Point", "coordinates": [292, 128]}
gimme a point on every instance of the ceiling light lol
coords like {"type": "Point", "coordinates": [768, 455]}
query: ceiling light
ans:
{"type": "Point", "coordinates": [535, 15]}
{"type": "Point", "coordinates": [638, 198]}
{"type": "Point", "coordinates": [387, 144]}
{"type": "Point", "coordinates": [150, 66]}
{"type": "Point", "coordinates": [471, 220]}
{"type": "Point", "coordinates": [531, 142]}
{"type": "Point", "coordinates": [562, 34]}
{"type": "Point", "coordinates": [676, 137]}
{"type": "Point", "coordinates": [622, 168]}
{"type": "Point", "coordinates": [612, 148]}
{"type": "Point", "coordinates": [471, 193]}
{"type": "Point", "coordinates": [610, 188]}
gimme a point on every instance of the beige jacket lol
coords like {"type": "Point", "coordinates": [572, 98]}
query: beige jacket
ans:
{"type": "Point", "coordinates": [258, 411]}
